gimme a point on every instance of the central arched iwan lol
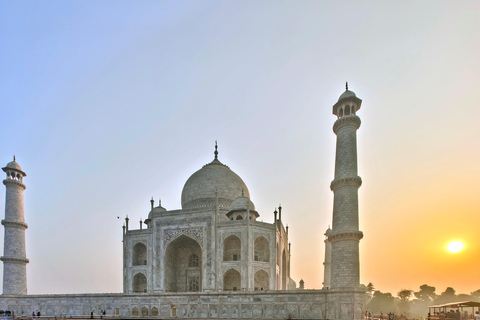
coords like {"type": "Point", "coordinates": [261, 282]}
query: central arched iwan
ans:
{"type": "Point", "coordinates": [183, 265]}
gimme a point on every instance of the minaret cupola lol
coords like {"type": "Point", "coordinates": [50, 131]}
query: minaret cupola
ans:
{"type": "Point", "coordinates": [14, 171]}
{"type": "Point", "coordinates": [347, 104]}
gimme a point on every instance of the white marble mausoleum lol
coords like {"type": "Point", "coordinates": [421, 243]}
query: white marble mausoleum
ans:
{"type": "Point", "coordinates": [214, 243]}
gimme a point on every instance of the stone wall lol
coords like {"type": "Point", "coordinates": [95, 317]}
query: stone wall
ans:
{"type": "Point", "coordinates": [302, 304]}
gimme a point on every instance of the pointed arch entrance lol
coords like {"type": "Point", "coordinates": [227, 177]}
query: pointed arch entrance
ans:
{"type": "Point", "coordinates": [232, 248]}
{"type": "Point", "coordinates": [232, 280]}
{"type": "Point", "coordinates": [262, 252]}
{"type": "Point", "coordinates": [139, 284]}
{"type": "Point", "coordinates": [261, 280]}
{"type": "Point", "coordinates": [183, 265]}
{"type": "Point", "coordinates": [139, 256]}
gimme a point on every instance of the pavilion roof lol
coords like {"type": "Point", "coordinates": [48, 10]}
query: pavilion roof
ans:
{"type": "Point", "coordinates": [457, 304]}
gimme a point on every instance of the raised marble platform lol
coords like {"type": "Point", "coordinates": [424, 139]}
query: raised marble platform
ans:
{"type": "Point", "coordinates": [299, 304]}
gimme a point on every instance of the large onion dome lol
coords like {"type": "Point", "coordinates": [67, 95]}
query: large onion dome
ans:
{"type": "Point", "coordinates": [200, 189]}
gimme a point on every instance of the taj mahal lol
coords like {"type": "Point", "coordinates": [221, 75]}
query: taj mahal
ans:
{"type": "Point", "coordinates": [212, 258]}
{"type": "Point", "coordinates": [215, 233]}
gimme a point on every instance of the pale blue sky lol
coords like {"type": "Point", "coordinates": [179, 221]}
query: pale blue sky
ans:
{"type": "Point", "coordinates": [107, 103]}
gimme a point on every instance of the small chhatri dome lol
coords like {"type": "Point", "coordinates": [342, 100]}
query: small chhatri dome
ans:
{"type": "Point", "coordinates": [242, 203]}
{"type": "Point", "coordinates": [240, 207]}
{"type": "Point", "coordinates": [328, 232]}
{"type": "Point", "coordinates": [214, 177]}
{"type": "Point", "coordinates": [157, 210]}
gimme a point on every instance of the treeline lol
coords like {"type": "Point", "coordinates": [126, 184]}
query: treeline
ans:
{"type": "Point", "coordinates": [412, 304]}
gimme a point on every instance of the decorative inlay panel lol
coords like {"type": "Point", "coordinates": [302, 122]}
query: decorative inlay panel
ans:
{"type": "Point", "coordinates": [171, 234]}
{"type": "Point", "coordinates": [228, 234]}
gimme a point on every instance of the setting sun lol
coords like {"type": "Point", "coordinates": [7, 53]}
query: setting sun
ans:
{"type": "Point", "coordinates": [455, 246]}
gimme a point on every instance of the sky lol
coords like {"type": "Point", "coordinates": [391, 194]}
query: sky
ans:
{"type": "Point", "coordinates": [108, 103]}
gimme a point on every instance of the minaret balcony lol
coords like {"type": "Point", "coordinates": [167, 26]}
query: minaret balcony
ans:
{"type": "Point", "coordinates": [15, 224]}
{"type": "Point", "coordinates": [14, 182]}
{"type": "Point", "coordinates": [351, 120]}
{"type": "Point", "coordinates": [341, 236]}
{"type": "Point", "coordinates": [346, 182]}
{"type": "Point", "coordinates": [14, 260]}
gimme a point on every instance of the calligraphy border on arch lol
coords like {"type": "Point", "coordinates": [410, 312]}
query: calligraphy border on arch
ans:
{"type": "Point", "coordinates": [171, 234]}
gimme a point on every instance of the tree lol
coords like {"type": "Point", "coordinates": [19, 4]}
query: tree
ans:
{"type": "Point", "coordinates": [464, 297]}
{"type": "Point", "coordinates": [404, 296]}
{"type": "Point", "coordinates": [381, 302]}
{"type": "Point", "coordinates": [447, 296]}
{"type": "Point", "coordinates": [426, 293]}
{"type": "Point", "coordinates": [370, 289]}
{"type": "Point", "coordinates": [449, 292]}
{"type": "Point", "coordinates": [476, 294]}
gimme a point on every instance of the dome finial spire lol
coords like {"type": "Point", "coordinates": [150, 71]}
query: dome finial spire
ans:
{"type": "Point", "coordinates": [216, 151]}
{"type": "Point", "coordinates": [13, 157]}
{"type": "Point", "coordinates": [346, 85]}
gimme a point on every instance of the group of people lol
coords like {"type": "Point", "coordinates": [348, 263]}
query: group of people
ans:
{"type": "Point", "coordinates": [381, 316]}
{"type": "Point", "coordinates": [101, 313]}
{"type": "Point", "coordinates": [454, 315]}
{"type": "Point", "coordinates": [371, 316]}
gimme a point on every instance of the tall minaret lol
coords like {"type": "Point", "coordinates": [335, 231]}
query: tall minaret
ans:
{"type": "Point", "coordinates": [14, 256]}
{"type": "Point", "coordinates": [345, 235]}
